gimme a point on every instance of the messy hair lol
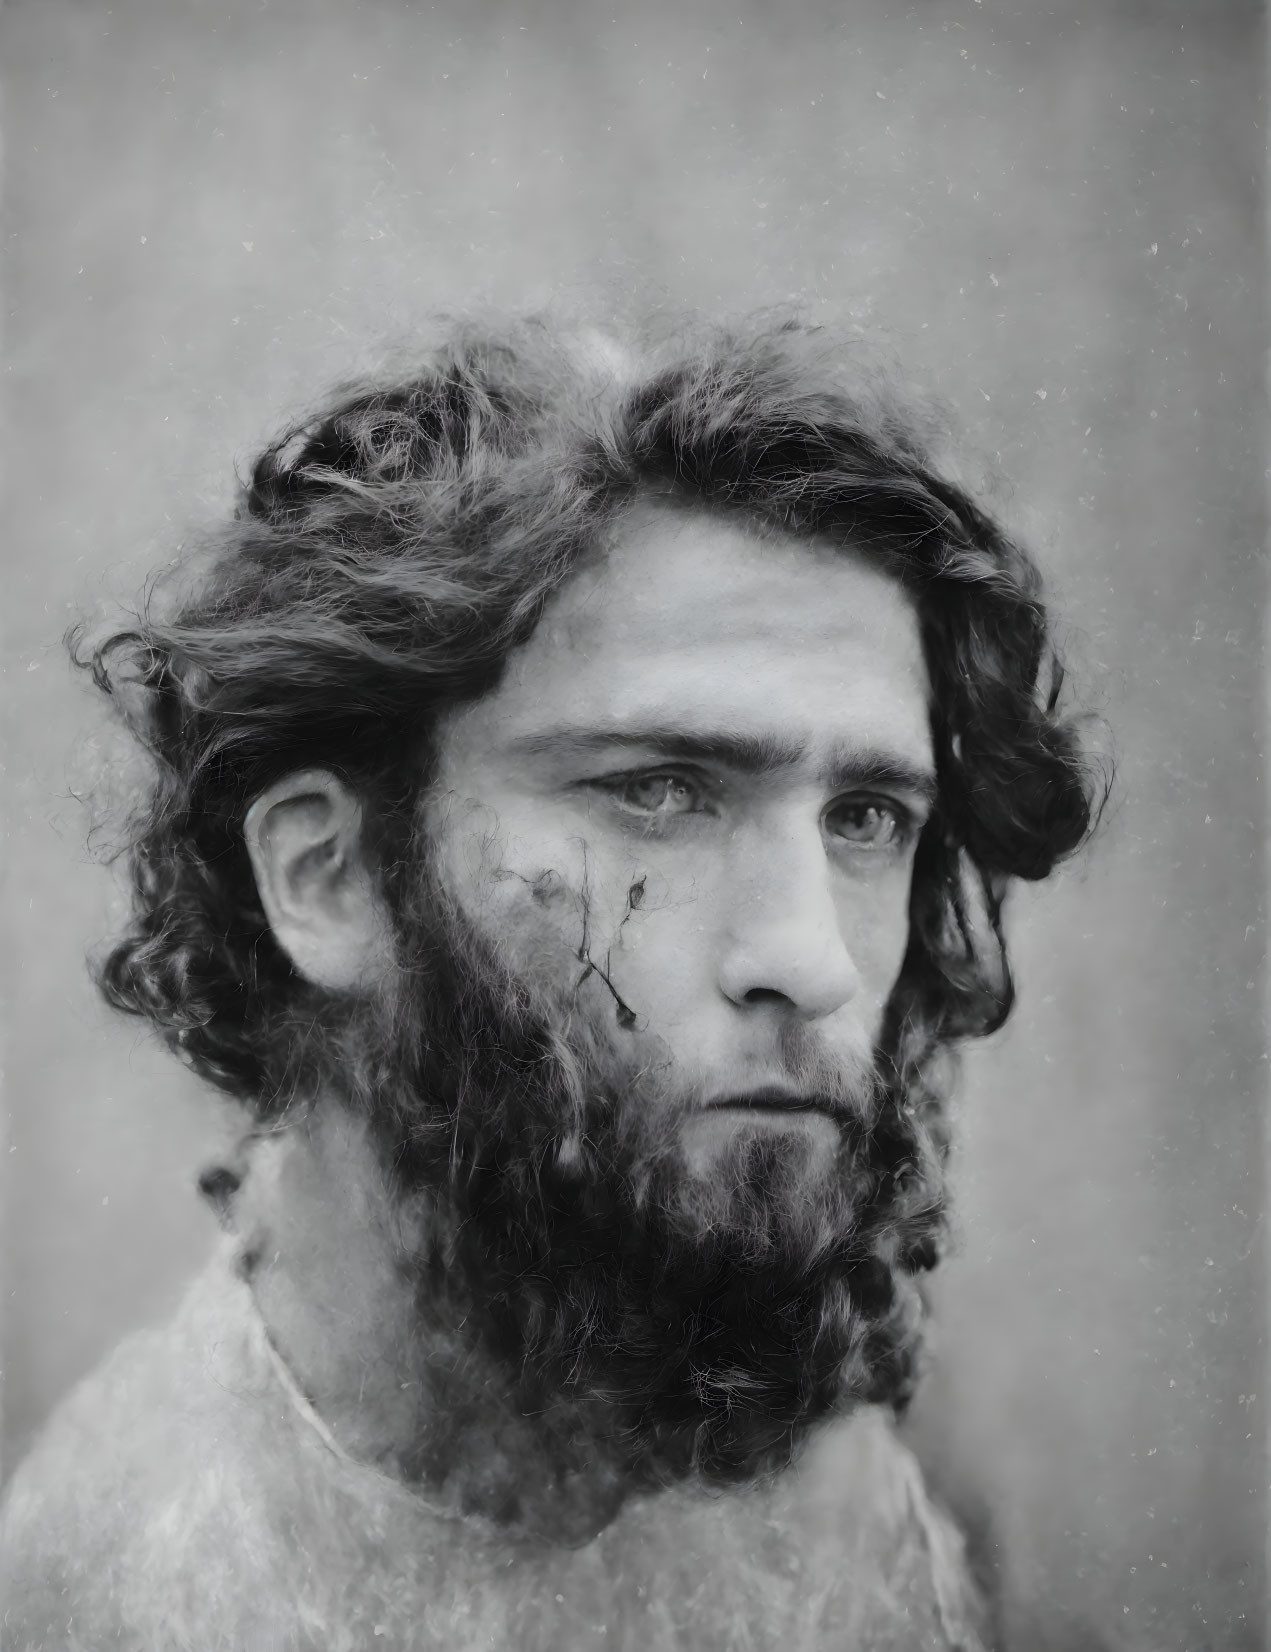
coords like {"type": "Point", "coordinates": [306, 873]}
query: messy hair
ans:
{"type": "Point", "coordinates": [390, 552]}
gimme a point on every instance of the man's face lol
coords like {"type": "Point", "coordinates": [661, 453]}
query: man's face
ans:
{"type": "Point", "coordinates": [626, 1056]}
{"type": "Point", "coordinates": [692, 804]}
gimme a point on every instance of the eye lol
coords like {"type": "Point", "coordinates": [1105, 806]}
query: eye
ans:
{"type": "Point", "coordinates": [867, 822]}
{"type": "Point", "coordinates": [658, 795]}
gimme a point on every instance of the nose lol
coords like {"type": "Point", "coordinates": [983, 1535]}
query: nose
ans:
{"type": "Point", "coordinates": [783, 943]}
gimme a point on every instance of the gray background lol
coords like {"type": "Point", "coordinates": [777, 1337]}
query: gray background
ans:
{"type": "Point", "coordinates": [1054, 213]}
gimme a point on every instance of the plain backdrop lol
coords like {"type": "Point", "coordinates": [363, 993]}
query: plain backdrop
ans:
{"type": "Point", "coordinates": [1053, 212]}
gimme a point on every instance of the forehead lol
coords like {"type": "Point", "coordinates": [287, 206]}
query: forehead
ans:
{"type": "Point", "coordinates": [698, 618]}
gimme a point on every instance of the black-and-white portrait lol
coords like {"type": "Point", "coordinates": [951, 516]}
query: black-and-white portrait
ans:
{"type": "Point", "coordinates": [634, 984]}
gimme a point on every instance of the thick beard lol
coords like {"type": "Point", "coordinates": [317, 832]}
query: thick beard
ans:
{"type": "Point", "coordinates": [647, 1323]}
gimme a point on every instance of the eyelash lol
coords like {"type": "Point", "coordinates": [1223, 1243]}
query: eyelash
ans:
{"type": "Point", "coordinates": [898, 835]}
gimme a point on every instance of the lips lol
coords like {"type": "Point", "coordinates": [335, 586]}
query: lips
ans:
{"type": "Point", "coordinates": [773, 1099]}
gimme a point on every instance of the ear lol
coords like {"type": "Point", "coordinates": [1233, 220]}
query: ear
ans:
{"type": "Point", "coordinates": [304, 838]}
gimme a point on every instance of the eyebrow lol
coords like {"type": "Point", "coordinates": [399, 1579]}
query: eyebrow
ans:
{"type": "Point", "coordinates": [761, 755]}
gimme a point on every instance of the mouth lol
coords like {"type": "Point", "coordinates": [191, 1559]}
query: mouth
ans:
{"type": "Point", "coordinates": [775, 1099]}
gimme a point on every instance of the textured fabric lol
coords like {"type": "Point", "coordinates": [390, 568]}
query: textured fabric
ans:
{"type": "Point", "coordinates": [188, 1496]}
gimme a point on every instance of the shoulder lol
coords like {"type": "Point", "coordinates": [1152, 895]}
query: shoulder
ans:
{"type": "Point", "coordinates": [847, 1549]}
{"type": "Point", "coordinates": [145, 1480]}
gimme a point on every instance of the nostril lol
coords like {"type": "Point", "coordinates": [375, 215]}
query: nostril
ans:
{"type": "Point", "coordinates": [766, 995]}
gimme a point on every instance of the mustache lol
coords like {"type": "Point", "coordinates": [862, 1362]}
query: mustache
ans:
{"type": "Point", "coordinates": [801, 1074]}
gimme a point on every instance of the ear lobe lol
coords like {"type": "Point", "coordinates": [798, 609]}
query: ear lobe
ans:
{"type": "Point", "coordinates": [303, 837]}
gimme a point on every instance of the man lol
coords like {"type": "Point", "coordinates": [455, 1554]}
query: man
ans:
{"type": "Point", "coordinates": [586, 784]}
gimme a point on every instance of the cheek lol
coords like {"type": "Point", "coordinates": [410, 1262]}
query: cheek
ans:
{"type": "Point", "coordinates": [874, 923]}
{"type": "Point", "coordinates": [544, 897]}
{"type": "Point", "coordinates": [661, 961]}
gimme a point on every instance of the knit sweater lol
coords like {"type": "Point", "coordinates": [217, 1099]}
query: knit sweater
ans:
{"type": "Point", "coordinates": [189, 1497]}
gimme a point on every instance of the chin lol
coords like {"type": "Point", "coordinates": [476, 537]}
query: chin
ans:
{"type": "Point", "coordinates": [757, 1189]}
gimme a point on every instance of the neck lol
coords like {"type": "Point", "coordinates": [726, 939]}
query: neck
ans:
{"type": "Point", "coordinates": [393, 1369]}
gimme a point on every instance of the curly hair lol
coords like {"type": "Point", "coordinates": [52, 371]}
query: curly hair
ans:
{"type": "Point", "coordinates": [389, 553]}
